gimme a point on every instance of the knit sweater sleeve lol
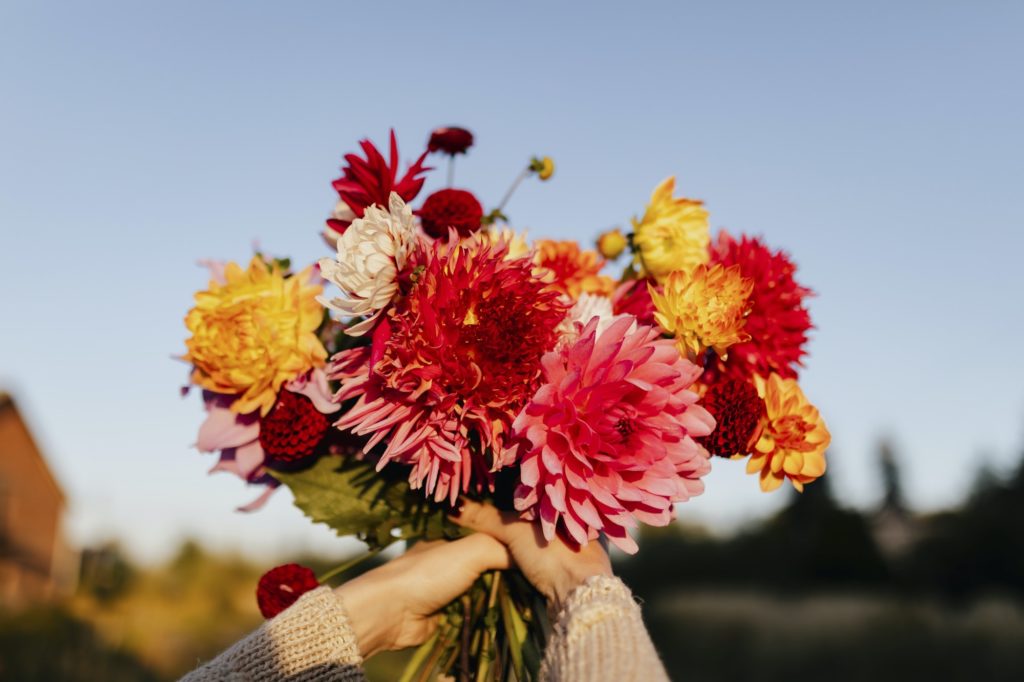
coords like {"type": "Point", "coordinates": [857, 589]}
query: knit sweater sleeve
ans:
{"type": "Point", "coordinates": [311, 641]}
{"type": "Point", "coordinates": [599, 636]}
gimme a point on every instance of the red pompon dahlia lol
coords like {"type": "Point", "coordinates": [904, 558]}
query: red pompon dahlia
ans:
{"type": "Point", "coordinates": [738, 411]}
{"type": "Point", "coordinates": [369, 181]}
{"type": "Point", "coordinates": [282, 586]}
{"type": "Point", "coordinates": [633, 297]}
{"type": "Point", "coordinates": [462, 358]}
{"type": "Point", "coordinates": [451, 208]}
{"type": "Point", "coordinates": [292, 429]}
{"type": "Point", "coordinates": [608, 439]}
{"type": "Point", "coordinates": [450, 140]}
{"type": "Point", "coordinates": [778, 321]}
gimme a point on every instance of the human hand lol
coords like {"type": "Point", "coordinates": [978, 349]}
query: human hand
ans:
{"type": "Point", "coordinates": [395, 606]}
{"type": "Point", "coordinates": [554, 567]}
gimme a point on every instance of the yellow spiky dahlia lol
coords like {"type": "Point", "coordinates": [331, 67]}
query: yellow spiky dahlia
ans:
{"type": "Point", "coordinates": [672, 235]}
{"type": "Point", "coordinates": [704, 308]}
{"type": "Point", "coordinates": [794, 438]}
{"type": "Point", "coordinates": [253, 332]}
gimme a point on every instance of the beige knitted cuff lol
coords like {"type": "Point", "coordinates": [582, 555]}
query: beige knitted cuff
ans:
{"type": "Point", "coordinates": [311, 641]}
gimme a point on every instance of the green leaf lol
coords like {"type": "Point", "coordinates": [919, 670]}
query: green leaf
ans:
{"type": "Point", "coordinates": [351, 497]}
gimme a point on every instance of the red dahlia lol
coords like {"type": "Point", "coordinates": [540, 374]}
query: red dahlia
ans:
{"type": "Point", "coordinates": [451, 208]}
{"type": "Point", "coordinates": [778, 320]}
{"type": "Point", "coordinates": [292, 429]}
{"type": "Point", "coordinates": [634, 298]}
{"type": "Point", "coordinates": [369, 181]}
{"type": "Point", "coordinates": [461, 357]}
{"type": "Point", "coordinates": [450, 140]}
{"type": "Point", "coordinates": [737, 409]}
{"type": "Point", "coordinates": [282, 586]}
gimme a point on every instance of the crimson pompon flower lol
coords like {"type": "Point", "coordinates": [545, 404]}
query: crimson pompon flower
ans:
{"type": "Point", "coordinates": [371, 180]}
{"type": "Point", "coordinates": [462, 358]}
{"type": "Point", "coordinates": [455, 208]}
{"type": "Point", "coordinates": [280, 587]}
{"type": "Point", "coordinates": [778, 321]}
{"type": "Point", "coordinates": [292, 429]}
{"type": "Point", "coordinates": [608, 439]}
{"type": "Point", "coordinates": [738, 411]}
{"type": "Point", "coordinates": [450, 140]}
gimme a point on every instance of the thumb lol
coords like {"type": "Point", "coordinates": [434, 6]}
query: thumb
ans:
{"type": "Point", "coordinates": [485, 518]}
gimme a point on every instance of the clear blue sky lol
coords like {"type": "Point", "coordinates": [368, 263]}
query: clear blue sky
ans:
{"type": "Point", "coordinates": [881, 144]}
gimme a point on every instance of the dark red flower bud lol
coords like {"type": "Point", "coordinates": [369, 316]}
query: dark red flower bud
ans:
{"type": "Point", "coordinates": [451, 141]}
{"type": "Point", "coordinates": [451, 208]}
{"type": "Point", "coordinates": [282, 586]}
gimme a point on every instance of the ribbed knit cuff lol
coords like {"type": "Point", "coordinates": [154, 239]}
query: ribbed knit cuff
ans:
{"type": "Point", "coordinates": [599, 636]}
{"type": "Point", "coordinates": [311, 641]}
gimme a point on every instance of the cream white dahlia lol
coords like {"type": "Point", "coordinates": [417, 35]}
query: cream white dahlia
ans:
{"type": "Point", "coordinates": [371, 254]}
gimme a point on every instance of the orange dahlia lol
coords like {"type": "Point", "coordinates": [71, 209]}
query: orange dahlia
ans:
{"type": "Point", "coordinates": [793, 439]}
{"type": "Point", "coordinates": [778, 321]}
{"type": "Point", "coordinates": [703, 308]}
{"type": "Point", "coordinates": [571, 270]}
{"type": "Point", "coordinates": [458, 358]}
{"type": "Point", "coordinates": [253, 332]}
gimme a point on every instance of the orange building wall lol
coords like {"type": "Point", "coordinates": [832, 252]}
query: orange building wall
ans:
{"type": "Point", "coordinates": [33, 555]}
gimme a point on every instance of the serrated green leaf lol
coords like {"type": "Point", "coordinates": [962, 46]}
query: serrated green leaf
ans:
{"type": "Point", "coordinates": [351, 497]}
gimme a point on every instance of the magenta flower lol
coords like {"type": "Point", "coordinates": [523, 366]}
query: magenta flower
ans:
{"type": "Point", "coordinates": [608, 440]}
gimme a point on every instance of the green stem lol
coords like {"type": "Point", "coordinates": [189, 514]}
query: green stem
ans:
{"type": "Point", "coordinates": [352, 563]}
{"type": "Point", "coordinates": [419, 657]}
{"type": "Point", "coordinates": [515, 183]}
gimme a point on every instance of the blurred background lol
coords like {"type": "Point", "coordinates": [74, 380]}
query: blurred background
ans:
{"type": "Point", "coordinates": [881, 145]}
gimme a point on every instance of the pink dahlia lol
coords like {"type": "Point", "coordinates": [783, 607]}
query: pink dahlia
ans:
{"type": "Point", "coordinates": [778, 321]}
{"type": "Point", "coordinates": [451, 364]}
{"type": "Point", "coordinates": [608, 439]}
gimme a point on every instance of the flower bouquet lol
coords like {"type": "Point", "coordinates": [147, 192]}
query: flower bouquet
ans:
{"type": "Point", "coordinates": [440, 354]}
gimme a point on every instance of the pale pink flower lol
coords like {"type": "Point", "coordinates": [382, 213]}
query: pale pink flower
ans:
{"type": "Point", "coordinates": [608, 439]}
{"type": "Point", "coordinates": [236, 437]}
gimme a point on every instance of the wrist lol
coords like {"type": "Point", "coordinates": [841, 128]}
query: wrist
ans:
{"type": "Point", "coordinates": [571, 578]}
{"type": "Point", "coordinates": [366, 618]}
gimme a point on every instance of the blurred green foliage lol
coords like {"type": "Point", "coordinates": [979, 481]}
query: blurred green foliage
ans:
{"type": "Point", "coordinates": [810, 593]}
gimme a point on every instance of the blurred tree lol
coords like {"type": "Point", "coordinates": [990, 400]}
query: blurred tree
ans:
{"type": "Point", "coordinates": [892, 484]}
{"type": "Point", "coordinates": [105, 572]}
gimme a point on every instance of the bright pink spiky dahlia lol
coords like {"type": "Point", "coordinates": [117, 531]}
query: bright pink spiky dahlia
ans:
{"type": "Point", "coordinates": [451, 364]}
{"type": "Point", "coordinates": [778, 321]}
{"type": "Point", "coordinates": [608, 440]}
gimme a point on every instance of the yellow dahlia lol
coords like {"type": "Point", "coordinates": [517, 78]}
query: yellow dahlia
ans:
{"type": "Point", "coordinates": [794, 438]}
{"type": "Point", "coordinates": [570, 269]}
{"type": "Point", "coordinates": [672, 235]}
{"type": "Point", "coordinates": [704, 308]}
{"type": "Point", "coordinates": [254, 331]}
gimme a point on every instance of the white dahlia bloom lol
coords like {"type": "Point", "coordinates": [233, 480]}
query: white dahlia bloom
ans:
{"type": "Point", "coordinates": [371, 253]}
{"type": "Point", "coordinates": [587, 307]}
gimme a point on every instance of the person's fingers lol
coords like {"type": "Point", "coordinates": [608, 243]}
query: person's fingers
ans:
{"type": "Point", "coordinates": [485, 518]}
